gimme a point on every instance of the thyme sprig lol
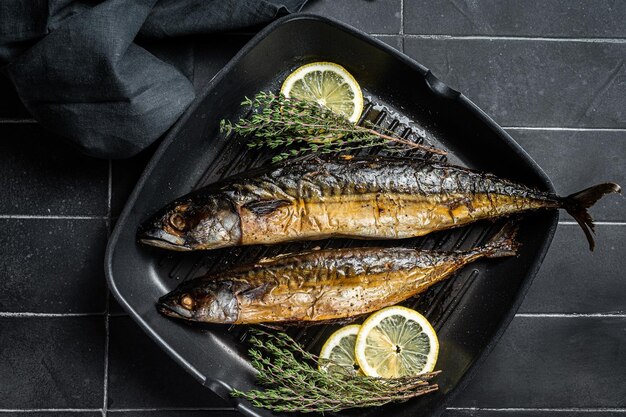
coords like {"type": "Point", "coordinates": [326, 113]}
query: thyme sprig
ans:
{"type": "Point", "coordinates": [293, 383]}
{"type": "Point", "coordinates": [301, 126]}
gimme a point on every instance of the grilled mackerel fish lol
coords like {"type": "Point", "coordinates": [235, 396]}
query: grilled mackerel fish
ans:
{"type": "Point", "coordinates": [363, 198]}
{"type": "Point", "coordinates": [322, 285]}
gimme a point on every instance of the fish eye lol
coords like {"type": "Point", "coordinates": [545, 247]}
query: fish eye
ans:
{"type": "Point", "coordinates": [186, 301]}
{"type": "Point", "coordinates": [177, 221]}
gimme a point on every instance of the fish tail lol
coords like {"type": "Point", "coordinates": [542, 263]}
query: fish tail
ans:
{"type": "Point", "coordinates": [577, 204]}
{"type": "Point", "coordinates": [503, 243]}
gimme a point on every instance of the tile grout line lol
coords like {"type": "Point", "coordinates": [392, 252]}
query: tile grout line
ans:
{"type": "Point", "coordinates": [109, 189]}
{"type": "Point", "coordinates": [572, 409]}
{"type": "Point", "coordinates": [95, 410]}
{"type": "Point", "coordinates": [53, 410]}
{"type": "Point", "coordinates": [567, 129]}
{"type": "Point", "coordinates": [401, 17]}
{"type": "Point", "coordinates": [29, 314]}
{"type": "Point", "coordinates": [512, 38]}
{"type": "Point", "coordinates": [121, 410]}
{"type": "Point", "coordinates": [568, 223]}
{"type": "Point", "coordinates": [572, 315]}
{"type": "Point", "coordinates": [402, 25]}
{"type": "Point", "coordinates": [18, 121]}
{"type": "Point", "coordinates": [51, 217]}
{"type": "Point", "coordinates": [105, 382]}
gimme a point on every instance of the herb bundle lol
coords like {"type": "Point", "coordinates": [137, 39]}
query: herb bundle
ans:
{"type": "Point", "coordinates": [301, 126]}
{"type": "Point", "coordinates": [293, 383]}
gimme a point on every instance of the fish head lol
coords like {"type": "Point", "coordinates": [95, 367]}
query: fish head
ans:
{"type": "Point", "coordinates": [209, 302]}
{"type": "Point", "coordinates": [193, 223]}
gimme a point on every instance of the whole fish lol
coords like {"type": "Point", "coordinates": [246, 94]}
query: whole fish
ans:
{"type": "Point", "coordinates": [363, 198]}
{"type": "Point", "coordinates": [322, 285]}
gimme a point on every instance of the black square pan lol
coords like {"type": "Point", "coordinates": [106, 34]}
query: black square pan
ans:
{"type": "Point", "coordinates": [470, 311]}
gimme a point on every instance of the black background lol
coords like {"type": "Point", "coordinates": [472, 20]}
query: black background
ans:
{"type": "Point", "coordinates": [551, 72]}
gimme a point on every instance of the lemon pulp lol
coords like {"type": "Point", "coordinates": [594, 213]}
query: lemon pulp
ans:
{"type": "Point", "coordinates": [396, 342]}
{"type": "Point", "coordinates": [327, 84]}
{"type": "Point", "coordinates": [339, 351]}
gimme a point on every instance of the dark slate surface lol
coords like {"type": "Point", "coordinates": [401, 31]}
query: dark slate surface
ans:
{"type": "Point", "coordinates": [50, 362]}
{"type": "Point", "coordinates": [57, 271]}
{"type": "Point", "coordinates": [532, 18]}
{"type": "Point", "coordinates": [11, 108]}
{"type": "Point", "coordinates": [558, 362]}
{"type": "Point", "coordinates": [124, 176]}
{"type": "Point", "coordinates": [141, 375]}
{"type": "Point", "coordinates": [380, 16]}
{"type": "Point", "coordinates": [564, 352]}
{"type": "Point", "coordinates": [42, 175]}
{"type": "Point", "coordinates": [574, 280]}
{"type": "Point", "coordinates": [533, 83]}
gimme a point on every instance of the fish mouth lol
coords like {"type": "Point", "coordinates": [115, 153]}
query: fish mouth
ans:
{"type": "Point", "coordinates": [162, 239]}
{"type": "Point", "coordinates": [172, 311]}
{"type": "Point", "coordinates": [163, 244]}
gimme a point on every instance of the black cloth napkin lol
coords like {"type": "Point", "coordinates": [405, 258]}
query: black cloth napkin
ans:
{"type": "Point", "coordinates": [78, 69]}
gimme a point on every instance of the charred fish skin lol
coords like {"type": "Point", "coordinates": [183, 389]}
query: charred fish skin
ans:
{"type": "Point", "coordinates": [369, 198]}
{"type": "Point", "coordinates": [363, 198]}
{"type": "Point", "coordinates": [323, 285]}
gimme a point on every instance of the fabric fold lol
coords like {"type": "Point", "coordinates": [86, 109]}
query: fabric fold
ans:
{"type": "Point", "coordinates": [77, 69]}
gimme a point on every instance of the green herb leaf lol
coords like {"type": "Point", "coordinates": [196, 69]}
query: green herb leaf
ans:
{"type": "Point", "coordinates": [276, 121]}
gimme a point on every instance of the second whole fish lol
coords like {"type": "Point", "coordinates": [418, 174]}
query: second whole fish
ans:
{"type": "Point", "coordinates": [322, 285]}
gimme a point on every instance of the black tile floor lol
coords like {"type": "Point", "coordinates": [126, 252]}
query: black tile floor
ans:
{"type": "Point", "coordinates": [552, 72]}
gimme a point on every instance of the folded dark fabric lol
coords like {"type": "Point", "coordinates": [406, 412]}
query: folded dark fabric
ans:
{"type": "Point", "coordinates": [77, 68]}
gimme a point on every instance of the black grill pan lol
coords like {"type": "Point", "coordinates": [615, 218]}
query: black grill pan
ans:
{"type": "Point", "coordinates": [470, 311]}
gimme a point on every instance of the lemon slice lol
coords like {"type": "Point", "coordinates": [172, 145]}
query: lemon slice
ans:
{"type": "Point", "coordinates": [339, 348]}
{"type": "Point", "coordinates": [396, 342]}
{"type": "Point", "coordinates": [328, 84]}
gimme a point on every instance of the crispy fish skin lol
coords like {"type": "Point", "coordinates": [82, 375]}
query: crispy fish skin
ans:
{"type": "Point", "coordinates": [321, 285]}
{"type": "Point", "coordinates": [364, 198]}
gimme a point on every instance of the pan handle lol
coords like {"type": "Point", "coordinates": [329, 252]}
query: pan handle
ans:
{"type": "Point", "coordinates": [439, 87]}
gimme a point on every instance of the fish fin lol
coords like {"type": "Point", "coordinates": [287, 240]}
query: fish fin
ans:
{"type": "Point", "coordinates": [256, 293]}
{"type": "Point", "coordinates": [503, 243]}
{"type": "Point", "coordinates": [271, 259]}
{"type": "Point", "coordinates": [264, 207]}
{"type": "Point", "coordinates": [577, 204]}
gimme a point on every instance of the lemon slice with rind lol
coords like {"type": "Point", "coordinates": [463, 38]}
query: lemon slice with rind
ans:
{"type": "Point", "coordinates": [339, 351]}
{"type": "Point", "coordinates": [327, 84]}
{"type": "Point", "coordinates": [396, 342]}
